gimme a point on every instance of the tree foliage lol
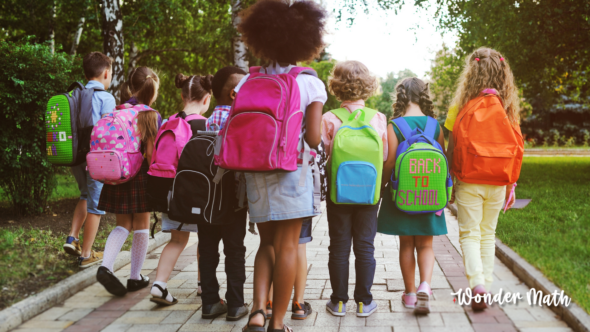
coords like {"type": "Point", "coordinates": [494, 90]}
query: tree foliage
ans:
{"type": "Point", "coordinates": [29, 75]}
{"type": "Point", "coordinates": [444, 73]}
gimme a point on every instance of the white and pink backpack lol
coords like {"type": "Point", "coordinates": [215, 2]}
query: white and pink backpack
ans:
{"type": "Point", "coordinates": [115, 146]}
{"type": "Point", "coordinates": [263, 131]}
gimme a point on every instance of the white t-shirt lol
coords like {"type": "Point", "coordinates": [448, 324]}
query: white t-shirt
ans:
{"type": "Point", "coordinates": [311, 88]}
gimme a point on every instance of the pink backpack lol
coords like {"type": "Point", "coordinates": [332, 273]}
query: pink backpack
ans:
{"type": "Point", "coordinates": [264, 125]}
{"type": "Point", "coordinates": [115, 144]}
{"type": "Point", "coordinates": [170, 141]}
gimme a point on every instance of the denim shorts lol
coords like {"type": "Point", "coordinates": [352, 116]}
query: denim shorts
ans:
{"type": "Point", "coordinates": [171, 225]}
{"type": "Point", "coordinates": [89, 188]}
{"type": "Point", "coordinates": [278, 196]}
{"type": "Point", "coordinates": [305, 235]}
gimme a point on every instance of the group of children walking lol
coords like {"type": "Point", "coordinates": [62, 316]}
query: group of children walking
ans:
{"type": "Point", "coordinates": [268, 138]}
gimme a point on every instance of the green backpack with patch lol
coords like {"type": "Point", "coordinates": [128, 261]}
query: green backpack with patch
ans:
{"type": "Point", "coordinates": [356, 159]}
{"type": "Point", "coordinates": [68, 125]}
{"type": "Point", "coordinates": [421, 182]}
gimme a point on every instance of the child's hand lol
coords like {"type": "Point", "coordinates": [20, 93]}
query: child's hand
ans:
{"type": "Point", "coordinates": [452, 200]}
{"type": "Point", "coordinates": [510, 199]}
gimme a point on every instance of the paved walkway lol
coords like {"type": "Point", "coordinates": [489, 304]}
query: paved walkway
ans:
{"type": "Point", "coordinates": [93, 309]}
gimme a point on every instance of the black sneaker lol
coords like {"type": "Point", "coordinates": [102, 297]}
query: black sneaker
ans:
{"type": "Point", "coordinates": [236, 313]}
{"type": "Point", "coordinates": [110, 282]}
{"type": "Point", "coordinates": [214, 310]}
{"type": "Point", "coordinates": [135, 285]}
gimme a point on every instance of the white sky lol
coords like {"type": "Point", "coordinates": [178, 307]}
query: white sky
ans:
{"type": "Point", "coordinates": [386, 42]}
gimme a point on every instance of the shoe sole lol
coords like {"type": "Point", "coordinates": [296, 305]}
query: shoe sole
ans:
{"type": "Point", "coordinates": [136, 289]}
{"type": "Point", "coordinates": [163, 302]}
{"type": "Point", "coordinates": [91, 264]}
{"type": "Point", "coordinates": [366, 314]}
{"type": "Point", "coordinates": [71, 250]}
{"type": "Point", "coordinates": [301, 316]}
{"type": "Point", "coordinates": [236, 318]}
{"type": "Point", "coordinates": [422, 306]}
{"type": "Point", "coordinates": [335, 313]}
{"type": "Point", "coordinates": [210, 316]}
{"type": "Point", "coordinates": [114, 287]}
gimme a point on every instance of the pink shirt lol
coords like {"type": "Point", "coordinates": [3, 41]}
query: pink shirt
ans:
{"type": "Point", "coordinates": [331, 124]}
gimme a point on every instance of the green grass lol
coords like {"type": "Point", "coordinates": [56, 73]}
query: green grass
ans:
{"type": "Point", "coordinates": [66, 188]}
{"type": "Point", "coordinates": [32, 259]}
{"type": "Point", "coordinates": [553, 231]}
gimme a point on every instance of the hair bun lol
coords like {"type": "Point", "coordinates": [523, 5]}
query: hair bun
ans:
{"type": "Point", "coordinates": [180, 80]}
{"type": "Point", "coordinates": [207, 82]}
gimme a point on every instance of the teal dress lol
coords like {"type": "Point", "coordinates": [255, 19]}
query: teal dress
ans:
{"type": "Point", "coordinates": [392, 221]}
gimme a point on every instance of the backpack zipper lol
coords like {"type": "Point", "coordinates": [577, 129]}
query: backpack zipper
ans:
{"type": "Point", "coordinates": [208, 191]}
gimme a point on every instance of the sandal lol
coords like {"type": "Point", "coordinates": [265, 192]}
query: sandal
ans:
{"type": "Point", "coordinates": [284, 329]}
{"type": "Point", "coordinates": [249, 328]}
{"type": "Point", "coordinates": [162, 299]}
{"type": "Point", "coordinates": [269, 307]}
{"type": "Point", "coordinates": [297, 307]}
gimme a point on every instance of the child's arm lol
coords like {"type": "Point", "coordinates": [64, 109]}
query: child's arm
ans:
{"type": "Point", "coordinates": [450, 149]}
{"type": "Point", "coordinates": [313, 121]}
{"type": "Point", "coordinates": [389, 164]}
{"type": "Point", "coordinates": [510, 200]}
{"type": "Point", "coordinates": [148, 151]}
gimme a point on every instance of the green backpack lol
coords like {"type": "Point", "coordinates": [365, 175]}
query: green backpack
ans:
{"type": "Point", "coordinates": [421, 182]}
{"type": "Point", "coordinates": [356, 160]}
{"type": "Point", "coordinates": [68, 125]}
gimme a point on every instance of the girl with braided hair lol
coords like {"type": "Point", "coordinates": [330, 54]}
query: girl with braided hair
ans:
{"type": "Point", "coordinates": [415, 231]}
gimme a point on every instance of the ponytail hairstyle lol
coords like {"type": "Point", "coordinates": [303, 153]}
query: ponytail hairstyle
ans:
{"type": "Point", "coordinates": [412, 90]}
{"type": "Point", "coordinates": [143, 83]}
{"type": "Point", "coordinates": [194, 87]}
{"type": "Point", "coordinates": [486, 68]}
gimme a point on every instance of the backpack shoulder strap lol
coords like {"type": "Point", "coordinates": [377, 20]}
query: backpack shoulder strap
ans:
{"type": "Point", "coordinates": [342, 114]}
{"type": "Point", "coordinates": [403, 127]}
{"type": "Point", "coordinates": [369, 114]}
{"type": "Point", "coordinates": [295, 71]}
{"type": "Point", "coordinates": [255, 69]}
{"type": "Point", "coordinates": [430, 129]}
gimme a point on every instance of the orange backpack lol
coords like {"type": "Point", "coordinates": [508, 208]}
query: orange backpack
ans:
{"type": "Point", "coordinates": [488, 148]}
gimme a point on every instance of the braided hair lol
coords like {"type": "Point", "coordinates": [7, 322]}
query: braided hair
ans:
{"type": "Point", "coordinates": [412, 90]}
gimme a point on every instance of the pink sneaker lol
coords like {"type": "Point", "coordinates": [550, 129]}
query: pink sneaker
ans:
{"type": "Point", "coordinates": [481, 304]}
{"type": "Point", "coordinates": [409, 300]}
{"type": "Point", "coordinates": [423, 303]}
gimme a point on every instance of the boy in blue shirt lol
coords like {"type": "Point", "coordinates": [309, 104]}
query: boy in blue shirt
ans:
{"type": "Point", "coordinates": [98, 72]}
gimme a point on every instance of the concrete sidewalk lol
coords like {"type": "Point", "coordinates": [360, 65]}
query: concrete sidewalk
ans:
{"type": "Point", "coordinates": [96, 310]}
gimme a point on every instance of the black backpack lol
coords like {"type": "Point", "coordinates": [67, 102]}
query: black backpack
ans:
{"type": "Point", "coordinates": [195, 197]}
{"type": "Point", "coordinates": [68, 125]}
{"type": "Point", "coordinates": [159, 189]}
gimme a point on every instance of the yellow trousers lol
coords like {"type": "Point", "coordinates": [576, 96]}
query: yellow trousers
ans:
{"type": "Point", "coordinates": [478, 208]}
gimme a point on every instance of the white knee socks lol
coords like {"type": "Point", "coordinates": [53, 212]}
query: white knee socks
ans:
{"type": "Point", "coordinates": [114, 244]}
{"type": "Point", "coordinates": [139, 249]}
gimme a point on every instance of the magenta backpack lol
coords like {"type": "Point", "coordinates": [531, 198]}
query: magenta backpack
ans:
{"type": "Point", "coordinates": [168, 145]}
{"type": "Point", "coordinates": [264, 125]}
{"type": "Point", "coordinates": [115, 144]}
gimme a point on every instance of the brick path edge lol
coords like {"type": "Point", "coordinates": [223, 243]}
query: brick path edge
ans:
{"type": "Point", "coordinates": [573, 315]}
{"type": "Point", "coordinates": [26, 309]}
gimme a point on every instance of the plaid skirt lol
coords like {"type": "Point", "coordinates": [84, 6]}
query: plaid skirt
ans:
{"type": "Point", "coordinates": [126, 198]}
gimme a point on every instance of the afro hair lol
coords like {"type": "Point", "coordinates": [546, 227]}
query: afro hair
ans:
{"type": "Point", "coordinates": [276, 30]}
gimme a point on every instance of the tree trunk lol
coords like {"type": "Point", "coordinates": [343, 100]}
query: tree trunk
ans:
{"type": "Point", "coordinates": [52, 28]}
{"type": "Point", "coordinates": [113, 44]}
{"type": "Point", "coordinates": [77, 35]}
{"type": "Point", "coordinates": [133, 57]}
{"type": "Point", "coordinates": [239, 48]}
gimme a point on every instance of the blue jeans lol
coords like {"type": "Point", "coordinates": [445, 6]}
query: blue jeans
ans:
{"type": "Point", "coordinates": [89, 188]}
{"type": "Point", "coordinates": [352, 225]}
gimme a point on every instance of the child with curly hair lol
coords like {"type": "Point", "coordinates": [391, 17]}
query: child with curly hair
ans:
{"type": "Point", "coordinates": [486, 97]}
{"type": "Point", "coordinates": [352, 84]}
{"type": "Point", "coordinates": [415, 231]}
{"type": "Point", "coordinates": [282, 33]}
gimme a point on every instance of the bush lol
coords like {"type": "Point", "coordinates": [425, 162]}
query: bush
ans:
{"type": "Point", "coordinates": [29, 75]}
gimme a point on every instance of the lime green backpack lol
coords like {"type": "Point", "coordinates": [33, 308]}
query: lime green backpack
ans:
{"type": "Point", "coordinates": [421, 182]}
{"type": "Point", "coordinates": [356, 160]}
